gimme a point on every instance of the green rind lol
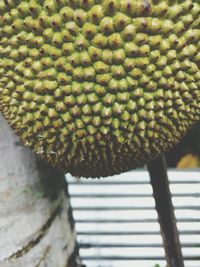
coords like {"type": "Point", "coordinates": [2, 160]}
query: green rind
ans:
{"type": "Point", "coordinates": [100, 87]}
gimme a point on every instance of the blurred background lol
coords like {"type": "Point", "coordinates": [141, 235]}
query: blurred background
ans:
{"type": "Point", "coordinates": [187, 153]}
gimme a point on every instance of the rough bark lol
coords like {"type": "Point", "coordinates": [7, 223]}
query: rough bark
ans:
{"type": "Point", "coordinates": [36, 227]}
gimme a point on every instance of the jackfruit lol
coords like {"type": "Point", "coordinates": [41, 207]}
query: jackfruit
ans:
{"type": "Point", "coordinates": [98, 87]}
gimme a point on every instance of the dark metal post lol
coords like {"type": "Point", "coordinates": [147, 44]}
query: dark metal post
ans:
{"type": "Point", "coordinates": [161, 191]}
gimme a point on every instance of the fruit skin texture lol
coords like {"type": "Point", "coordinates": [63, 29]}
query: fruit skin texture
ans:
{"type": "Point", "coordinates": [100, 87]}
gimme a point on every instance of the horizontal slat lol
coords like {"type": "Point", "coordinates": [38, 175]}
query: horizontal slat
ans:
{"type": "Point", "coordinates": [135, 245]}
{"type": "Point", "coordinates": [115, 214]}
{"type": "Point", "coordinates": [135, 226]}
{"type": "Point", "coordinates": [144, 257]}
{"type": "Point", "coordinates": [111, 189]}
{"type": "Point", "coordinates": [189, 213]}
{"type": "Point", "coordinates": [116, 221]}
{"type": "Point", "coordinates": [121, 239]}
{"type": "Point", "coordinates": [115, 257]}
{"type": "Point", "coordinates": [114, 202]}
{"type": "Point", "coordinates": [144, 208]}
{"type": "Point", "coordinates": [118, 232]}
{"type": "Point", "coordinates": [130, 189]}
{"type": "Point", "coordinates": [109, 245]}
{"type": "Point", "coordinates": [125, 263]}
{"type": "Point", "coordinates": [121, 182]}
{"type": "Point", "coordinates": [125, 196]}
{"type": "Point", "coordinates": [135, 252]}
{"type": "Point", "coordinates": [132, 202]}
{"type": "Point", "coordinates": [134, 214]}
{"type": "Point", "coordinates": [135, 239]}
{"type": "Point", "coordinates": [122, 252]}
{"type": "Point", "coordinates": [133, 263]}
{"type": "Point", "coordinates": [122, 220]}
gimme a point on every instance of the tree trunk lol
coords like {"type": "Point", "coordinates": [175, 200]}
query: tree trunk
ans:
{"type": "Point", "coordinates": [36, 227]}
{"type": "Point", "coordinates": [162, 195]}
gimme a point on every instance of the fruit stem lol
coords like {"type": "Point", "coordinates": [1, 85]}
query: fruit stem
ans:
{"type": "Point", "coordinates": [165, 209]}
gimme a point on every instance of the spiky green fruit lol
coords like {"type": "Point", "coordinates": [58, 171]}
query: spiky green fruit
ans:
{"type": "Point", "coordinates": [98, 87]}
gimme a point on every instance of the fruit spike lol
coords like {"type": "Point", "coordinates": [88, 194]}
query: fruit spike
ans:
{"type": "Point", "coordinates": [98, 87]}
